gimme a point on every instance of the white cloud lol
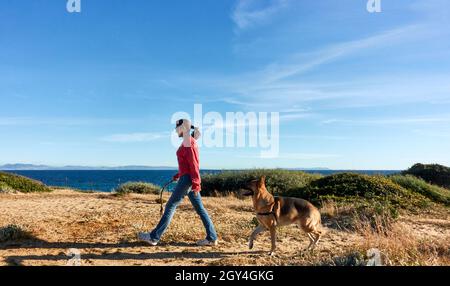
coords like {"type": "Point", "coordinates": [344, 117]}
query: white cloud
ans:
{"type": "Point", "coordinates": [281, 84]}
{"type": "Point", "coordinates": [307, 156]}
{"type": "Point", "coordinates": [303, 62]}
{"type": "Point", "coordinates": [442, 134]}
{"type": "Point", "coordinates": [251, 13]}
{"type": "Point", "coordinates": [390, 121]}
{"type": "Point", "coordinates": [316, 137]}
{"type": "Point", "coordinates": [136, 137]}
{"type": "Point", "coordinates": [278, 85]}
{"type": "Point", "coordinates": [294, 156]}
{"type": "Point", "coordinates": [60, 121]}
{"type": "Point", "coordinates": [295, 116]}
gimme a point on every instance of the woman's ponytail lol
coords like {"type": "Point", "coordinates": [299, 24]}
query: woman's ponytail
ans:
{"type": "Point", "coordinates": [196, 133]}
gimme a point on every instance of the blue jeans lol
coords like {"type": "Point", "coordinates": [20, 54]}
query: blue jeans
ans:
{"type": "Point", "coordinates": [183, 187]}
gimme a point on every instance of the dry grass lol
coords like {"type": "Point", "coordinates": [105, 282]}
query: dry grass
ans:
{"type": "Point", "coordinates": [401, 246]}
{"type": "Point", "coordinates": [103, 227]}
{"type": "Point", "coordinates": [412, 240]}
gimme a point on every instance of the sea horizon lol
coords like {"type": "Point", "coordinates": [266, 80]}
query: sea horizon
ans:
{"type": "Point", "coordinates": [108, 180]}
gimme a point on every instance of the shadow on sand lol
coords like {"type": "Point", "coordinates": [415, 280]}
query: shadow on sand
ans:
{"type": "Point", "coordinates": [184, 253]}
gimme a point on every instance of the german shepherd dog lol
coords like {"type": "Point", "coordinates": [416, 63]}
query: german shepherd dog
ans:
{"type": "Point", "coordinates": [272, 212]}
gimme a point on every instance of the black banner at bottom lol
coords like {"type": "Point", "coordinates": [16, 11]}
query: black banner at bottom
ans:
{"type": "Point", "coordinates": [210, 275]}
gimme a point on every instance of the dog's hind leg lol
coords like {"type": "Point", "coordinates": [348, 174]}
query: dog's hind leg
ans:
{"type": "Point", "coordinates": [254, 234]}
{"type": "Point", "coordinates": [273, 237]}
{"type": "Point", "coordinates": [311, 240]}
{"type": "Point", "coordinates": [316, 239]}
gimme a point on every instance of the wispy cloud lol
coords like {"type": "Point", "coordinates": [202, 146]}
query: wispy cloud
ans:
{"type": "Point", "coordinates": [303, 62]}
{"type": "Point", "coordinates": [307, 156]}
{"type": "Point", "coordinates": [251, 13]}
{"type": "Point", "coordinates": [390, 121]}
{"type": "Point", "coordinates": [60, 121]}
{"type": "Point", "coordinates": [442, 134]}
{"type": "Point", "coordinates": [284, 117]}
{"type": "Point", "coordinates": [293, 156]}
{"type": "Point", "coordinates": [316, 137]}
{"type": "Point", "coordinates": [135, 137]}
{"type": "Point", "coordinates": [279, 85]}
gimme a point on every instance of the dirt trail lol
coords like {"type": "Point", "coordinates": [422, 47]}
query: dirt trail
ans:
{"type": "Point", "coordinates": [103, 229]}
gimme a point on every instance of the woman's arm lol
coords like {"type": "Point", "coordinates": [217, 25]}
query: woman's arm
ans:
{"type": "Point", "coordinates": [194, 167]}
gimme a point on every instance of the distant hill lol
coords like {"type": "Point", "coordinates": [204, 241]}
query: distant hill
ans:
{"type": "Point", "coordinates": [31, 167]}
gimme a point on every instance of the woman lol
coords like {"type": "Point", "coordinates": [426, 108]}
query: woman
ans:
{"type": "Point", "coordinates": [189, 181]}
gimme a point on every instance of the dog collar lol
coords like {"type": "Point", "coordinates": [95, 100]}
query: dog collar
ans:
{"type": "Point", "coordinates": [272, 212]}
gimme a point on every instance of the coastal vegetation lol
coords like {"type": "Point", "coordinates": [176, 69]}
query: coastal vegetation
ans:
{"type": "Point", "coordinates": [431, 173]}
{"type": "Point", "coordinates": [136, 188]}
{"type": "Point", "coordinates": [15, 183]}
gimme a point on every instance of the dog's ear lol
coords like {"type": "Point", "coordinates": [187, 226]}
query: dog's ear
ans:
{"type": "Point", "coordinates": [262, 181]}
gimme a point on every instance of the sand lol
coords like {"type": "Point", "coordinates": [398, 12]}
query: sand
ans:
{"type": "Point", "coordinates": [102, 229]}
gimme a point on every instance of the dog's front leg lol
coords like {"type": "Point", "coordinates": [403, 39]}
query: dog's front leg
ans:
{"type": "Point", "coordinates": [273, 238]}
{"type": "Point", "coordinates": [257, 231]}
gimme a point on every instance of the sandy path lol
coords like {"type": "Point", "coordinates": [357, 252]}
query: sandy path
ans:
{"type": "Point", "coordinates": [103, 229]}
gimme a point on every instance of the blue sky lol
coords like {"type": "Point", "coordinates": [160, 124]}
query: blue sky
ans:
{"type": "Point", "coordinates": [354, 90]}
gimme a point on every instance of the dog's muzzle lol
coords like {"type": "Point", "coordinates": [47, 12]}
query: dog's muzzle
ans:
{"type": "Point", "coordinates": [246, 192]}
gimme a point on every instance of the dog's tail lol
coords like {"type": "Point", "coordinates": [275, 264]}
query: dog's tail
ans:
{"type": "Point", "coordinates": [314, 223]}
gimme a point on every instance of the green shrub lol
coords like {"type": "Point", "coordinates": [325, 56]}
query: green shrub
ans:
{"type": "Point", "coordinates": [5, 189]}
{"type": "Point", "coordinates": [353, 258]}
{"type": "Point", "coordinates": [22, 184]}
{"type": "Point", "coordinates": [348, 185]}
{"type": "Point", "coordinates": [374, 200]}
{"type": "Point", "coordinates": [137, 188]}
{"type": "Point", "coordinates": [277, 181]}
{"type": "Point", "coordinates": [13, 233]}
{"type": "Point", "coordinates": [418, 185]}
{"type": "Point", "coordinates": [432, 173]}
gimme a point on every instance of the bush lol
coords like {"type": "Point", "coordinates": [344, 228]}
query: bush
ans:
{"type": "Point", "coordinates": [351, 185]}
{"type": "Point", "coordinates": [5, 189]}
{"type": "Point", "coordinates": [374, 200]}
{"type": "Point", "coordinates": [277, 181]}
{"type": "Point", "coordinates": [353, 258]}
{"type": "Point", "coordinates": [21, 184]}
{"type": "Point", "coordinates": [417, 185]}
{"type": "Point", "coordinates": [13, 233]}
{"type": "Point", "coordinates": [137, 188]}
{"type": "Point", "coordinates": [433, 173]}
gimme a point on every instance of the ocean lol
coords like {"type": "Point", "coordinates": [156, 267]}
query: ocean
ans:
{"type": "Point", "coordinates": [108, 180]}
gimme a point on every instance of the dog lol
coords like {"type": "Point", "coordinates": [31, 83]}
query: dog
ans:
{"type": "Point", "coordinates": [273, 212]}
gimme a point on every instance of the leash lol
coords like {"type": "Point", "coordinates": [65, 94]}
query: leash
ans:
{"type": "Point", "coordinates": [161, 209]}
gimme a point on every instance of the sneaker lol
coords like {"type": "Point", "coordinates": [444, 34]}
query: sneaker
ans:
{"type": "Point", "coordinates": [205, 242]}
{"type": "Point", "coordinates": [145, 237]}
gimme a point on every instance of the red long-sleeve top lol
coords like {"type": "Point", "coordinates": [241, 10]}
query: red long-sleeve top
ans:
{"type": "Point", "coordinates": [189, 163]}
